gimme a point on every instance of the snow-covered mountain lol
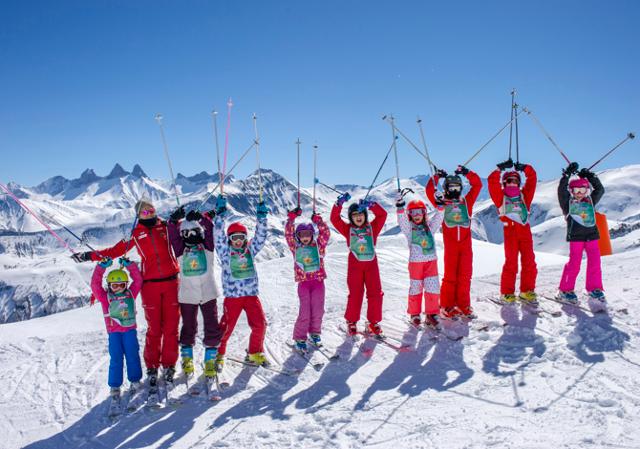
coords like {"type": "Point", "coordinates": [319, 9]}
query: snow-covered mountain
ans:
{"type": "Point", "coordinates": [100, 209]}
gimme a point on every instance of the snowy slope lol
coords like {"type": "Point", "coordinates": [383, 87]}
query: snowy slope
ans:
{"type": "Point", "coordinates": [539, 382]}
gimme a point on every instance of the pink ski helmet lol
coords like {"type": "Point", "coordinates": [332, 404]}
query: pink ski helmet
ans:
{"type": "Point", "coordinates": [511, 174]}
{"type": "Point", "coordinates": [579, 182]}
{"type": "Point", "coordinates": [305, 227]}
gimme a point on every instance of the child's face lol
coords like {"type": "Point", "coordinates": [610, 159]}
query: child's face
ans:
{"type": "Point", "coordinates": [358, 218]}
{"type": "Point", "coordinates": [305, 240]}
{"type": "Point", "coordinates": [579, 192]}
{"type": "Point", "coordinates": [147, 211]}
{"type": "Point", "coordinates": [118, 287]}
{"type": "Point", "coordinates": [237, 240]}
{"type": "Point", "coordinates": [417, 216]}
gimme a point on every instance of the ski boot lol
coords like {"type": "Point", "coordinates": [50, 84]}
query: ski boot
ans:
{"type": "Point", "coordinates": [352, 328]}
{"type": "Point", "coordinates": [568, 297]}
{"type": "Point", "coordinates": [210, 357]}
{"type": "Point", "coordinates": [114, 394]}
{"type": "Point", "coordinates": [169, 374]}
{"type": "Point", "coordinates": [508, 298]}
{"type": "Point", "coordinates": [152, 374]}
{"type": "Point", "coordinates": [315, 340]}
{"type": "Point", "coordinates": [450, 313]}
{"type": "Point", "coordinates": [597, 294]}
{"type": "Point", "coordinates": [257, 358]}
{"type": "Point", "coordinates": [432, 321]}
{"type": "Point", "coordinates": [115, 408]}
{"type": "Point", "coordinates": [186, 352]}
{"type": "Point", "coordinates": [529, 298]}
{"type": "Point", "coordinates": [467, 312]}
{"type": "Point", "coordinates": [301, 346]}
{"type": "Point", "coordinates": [219, 362]}
{"type": "Point", "coordinates": [375, 330]}
{"type": "Point", "coordinates": [415, 320]}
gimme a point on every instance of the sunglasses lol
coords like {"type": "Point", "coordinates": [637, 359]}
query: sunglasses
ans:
{"type": "Point", "coordinates": [118, 285]}
{"type": "Point", "coordinates": [305, 234]}
{"type": "Point", "coordinates": [454, 188]}
{"type": "Point", "coordinates": [582, 190]}
{"type": "Point", "coordinates": [190, 233]}
{"type": "Point", "coordinates": [416, 212]}
{"type": "Point", "coordinates": [147, 212]}
{"type": "Point", "coordinates": [238, 237]}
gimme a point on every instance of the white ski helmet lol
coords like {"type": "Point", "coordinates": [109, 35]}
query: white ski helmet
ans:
{"type": "Point", "coordinates": [187, 225]}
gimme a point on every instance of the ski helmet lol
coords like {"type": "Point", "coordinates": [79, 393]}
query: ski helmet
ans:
{"type": "Point", "coordinates": [116, 276]}
{"type": "Point", "coordinates": [305, 227]}
{"type": "Point", "coordinates": [579, 182]}
{"type": "Point", "coordinates": [511, 174]}
{"type": "Point", "coordinates": [236, 228]}
{"type": "Point", "coordinates": [452, 180]}
{"type": "Point", "coordinates": [354, 208]}
{"type": "Point", "coordinates": [416, 204]}
{"type": "Point", "coordinates": [188, 225]}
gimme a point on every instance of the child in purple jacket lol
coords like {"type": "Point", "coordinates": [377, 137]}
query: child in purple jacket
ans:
{"type": "Point", "coordinates": [308, 255]}
{"type": "Point", "coordinates": [118, 308]}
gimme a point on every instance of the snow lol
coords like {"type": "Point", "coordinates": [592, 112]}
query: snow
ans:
{"type": "Point", "coordinates": [570, 381]}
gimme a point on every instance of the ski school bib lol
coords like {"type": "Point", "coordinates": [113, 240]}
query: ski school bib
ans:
{"type": "Point", "coordinates": [194, 261]}
{"type": "Point", "coordinates": [308, 258]}
{"type": "Point", "coordinates": [122, 309]}
{"type": "Point", "coordinates": [456, 215]}
{"type": "Point", "coordinates": [583, 212]}
{"type": "Point", "coordinates": [361, 243]}
{"type": "Point", "coordinates": [241, 263]}
{"type": "Point", "coordinates": [515, 209]}
{"type": "Point", "coordinates": [421, 236]}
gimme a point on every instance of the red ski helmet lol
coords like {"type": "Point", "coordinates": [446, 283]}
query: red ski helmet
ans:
{"type": "Point", "coordinates": [415, 205]}
{"type": "Point", "coordinates": [236, 228]}
{"type": "Point", "coordinates": [511, 174]}
{"type": "Point", "coordinates": [579, 182]}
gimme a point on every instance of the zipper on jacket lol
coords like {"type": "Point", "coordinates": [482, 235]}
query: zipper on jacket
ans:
{"type": "Point", "coordinates": [155, 249]}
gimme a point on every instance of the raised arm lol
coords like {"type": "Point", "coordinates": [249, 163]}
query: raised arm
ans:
{"type": "Point", "coordinates": [403, 222]}
{"type": "Point", "coordinates": [430, 189]}
{"type": "Point", "coordinates": [260, 237]}
{"type": "Point", "coordinates": [338, 222]}
{"type": "Point", "coordinates": [119, 249]}
{"type": "Point", "coordinates": [220, 237]}
{"type": "Point", "coordinates": [289, 234]}
{"type": "Point", "coordinates": [96, 284]}
{"type": "Point", "coordinates": [136, 276]}
{"type": "Point", "coordinates": [563, 195]}
{"type": "Point", "coordinates": [476, 186]}
{"type": "Point", "coordinates": [435, 221]}
{"type": "Point", "coordinates": [598, 188]}
{"type": "Point", "coordinates": [207, 225]}
{"type": "Point", "coordinates": [529, 189]}
{"type": "Point", "coordinates": [324, 233]}
{"type": "Point", "coordinates": [378, 222]}
{"type": "Point", "coordinates": [173, 230]}
{"type": "Point", "coordinates": [495, 187]}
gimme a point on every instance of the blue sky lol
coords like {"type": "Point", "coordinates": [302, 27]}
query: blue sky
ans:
{"type": "Point", "coordinates": [81, 82]}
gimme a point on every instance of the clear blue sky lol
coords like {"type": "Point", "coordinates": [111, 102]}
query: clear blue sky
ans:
{"type": "Point", "coordinates": [82, 80]}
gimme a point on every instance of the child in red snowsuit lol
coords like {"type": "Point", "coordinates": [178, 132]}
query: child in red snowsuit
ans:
{"type": "Point", "coordinates": [455, 296]}
{"type": "Point", "coordinates": [362, 266]}
{"type": "Point", "coordinates": [513, 205]}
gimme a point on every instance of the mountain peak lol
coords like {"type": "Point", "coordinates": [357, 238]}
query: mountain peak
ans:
{"type": "Point", "coordinates": [89, 175]}
{"type": "Point", "coordinates": [117, 172]}
{"type": "Point", "coordinates": [138, 172]}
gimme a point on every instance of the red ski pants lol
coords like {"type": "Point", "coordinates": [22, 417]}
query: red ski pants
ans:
{"type": "Point", "coordinates": [233, 307]}
{"type": "Point", "coordinates": [359, 276]}
{"type": "Point", "coordinates": [162, 312]}
{"type": "Point", "coordinates": [458, 268]}
{"type": "Point", "coordinates": [518, 240]}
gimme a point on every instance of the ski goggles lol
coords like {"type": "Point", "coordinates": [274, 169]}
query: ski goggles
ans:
{"type": "Point", "coordinates": [118, 285]}
{"type": "Point", "coordinates": [582, 190]}
{"type": "Point", "coordinates": [454, 188]}
{"type": "Point", "coordinates": [189, 233]}
{"type": "Point", "coordinates": [239, 237]}
{"type": "Point", "coordinates": [512, 181]}
{"type": "Point", "coordinates": [147, 212]}
{"type": "Point", "coordinates": [306, 233]}
{"type": "Point", "coordinates": [416, 212]}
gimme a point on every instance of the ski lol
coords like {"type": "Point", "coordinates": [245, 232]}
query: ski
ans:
{"type": "Point", "coordinates": [306, 357]}
{"type": "Point", "coordinates": [385, 341]}
{"type": "Point", "coordinates": [266, 367]}
{"type": "Point", "coordinates": [213, 388]}
{"type": "Point", "coordinates": [320, 349]}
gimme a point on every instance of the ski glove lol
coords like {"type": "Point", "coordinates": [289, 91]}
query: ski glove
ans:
{"type": "Point", "coordinates": [441, 173]}
{"type": "Point", "coordinates": [343, 198]}
{"type": "Point", "coordinates": [520, 167]}
{"type": "Point", "coordinates": [106, 262]}
{"type": "Point", "coordinates": [262, 210]}
{"type": "Point", "coordinates": [211, 214]}
{"type": "Point", "coordinates": [316, 218]}
{"type": "Point", "coordinates": [571, 169]}
{"type": "Point", "coordinates": [221, 205]}
{"type": "Point", "coordinates": [294, 213]}
{"type": "Point", "coordinates": [81, 257]}
{"type": "Point", "coordinates": [365, 204]}
{"type": "Point", "coordinates": [506, 164]}
{"type": "Point", "coordinates": [194, 215]}
{"type": "Point", "coordinates": [462, 170]}
{"type": "Point", "coordinates": [125, 262]}
{"type": "Point", "coordinates": [177, 214]}
{"type": "Point", "coordinates": [585, 173]}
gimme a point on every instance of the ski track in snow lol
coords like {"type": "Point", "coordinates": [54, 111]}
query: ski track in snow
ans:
{"type": "Point", "coordinates": [538, 382]}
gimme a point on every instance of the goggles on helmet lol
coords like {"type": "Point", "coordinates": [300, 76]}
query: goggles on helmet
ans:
{"type": "Point", "coordinates": [238, 237]}
{"type": "Point", "coordinates": [582, 190]}
{"type": "Point", "coordinates": [118, 285]}
{"type": "Point", "coordinates": [512, 180]}
{"type": "Point", "coordinates": [454, 188]}
{"type": "Point", "coordinates": [416, 212]}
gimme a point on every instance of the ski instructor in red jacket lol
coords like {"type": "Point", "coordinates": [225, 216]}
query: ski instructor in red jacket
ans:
{"type": "Point", "coordinates": [513, 205]}
{"type": "Point", "coordinates": [159, 288]}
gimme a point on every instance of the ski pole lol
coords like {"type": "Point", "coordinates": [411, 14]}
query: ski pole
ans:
{"type": "Point", "coordinates": [73, 234]}
{"type": "Point", "coordinates": [315, 180]}
{"type": "Point", "coordinates": [544, 131]}
{"type": "Point", "coordinates": [214, 117]}
{"type": "Point", "coordinates": [426, 151]}
{"type": "Point", "coordinates": [413, 145]}
{"type": "Point", "coordinates": [384, 161]}
{"type": "Point", "coordinates": [513, 95]}
{"type": "Point", "coordinates": [226, 146]}
{"type": "Point", "coordinates": [395, 149]}
{"type": "Point", "coordinates": [515, 106]}
{"type": "Point", "coordinates": [298, 146]}
{"type": "Point", "coordinates": [255, 129]}
{"type": "Point", "coordinates": [630, 136]}
{"type": "Point", "coordinates": [33, 214]}
{"type": "Point", "coordinates": [158, 118]}
{"type": "Point", "coordinates": [491, 140]}
{"type": "Point", "coordinates": [219, 185]}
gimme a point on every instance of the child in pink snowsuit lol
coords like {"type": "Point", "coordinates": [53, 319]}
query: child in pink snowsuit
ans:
{"type": "Point", "coordinates": [578, 198]}
{"type": "Point", "coordinates": [308, 254]}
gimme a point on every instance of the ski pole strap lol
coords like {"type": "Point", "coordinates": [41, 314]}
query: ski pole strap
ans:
{"type": "Point", "coordinates": [544, 131]}
{"type": "Point", "coordinates": [384, 161]}
{"type": "Point", "coordinates": [630, 136]}
{"type": "Point", "coordinates": [491, 140]}
{"type": "Point", "coordinates": [24, 206]}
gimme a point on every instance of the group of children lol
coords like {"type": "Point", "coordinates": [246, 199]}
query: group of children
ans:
{"type": "Point", "coordinates": [178, 267]}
